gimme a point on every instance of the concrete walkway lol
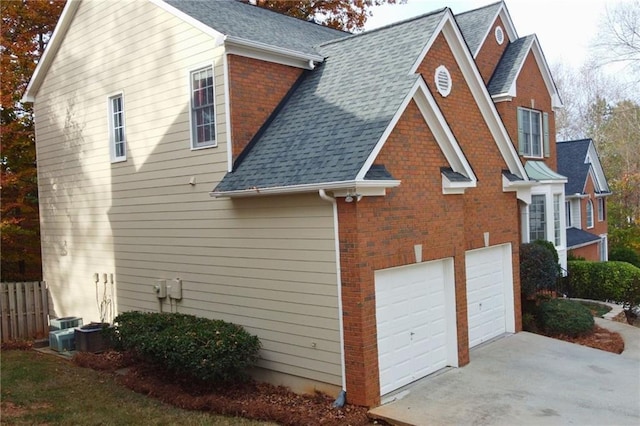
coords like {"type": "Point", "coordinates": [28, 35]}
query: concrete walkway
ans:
{"type": "Point", "coordinates": [528, 379]}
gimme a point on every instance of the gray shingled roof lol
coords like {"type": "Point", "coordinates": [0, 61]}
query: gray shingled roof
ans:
{"type": "Point", "coordinates": [475, 24]}
{"type": "Point", "coordinates": [507, 70]}
{"type": "Point", "coordinates": [571, 156]}
{"type": "Point", "coordinates": [252, 23]}
{"type": "Point", "coordinates": [329, 126]}
{"type": "Point", "coordinates": [578, 237]}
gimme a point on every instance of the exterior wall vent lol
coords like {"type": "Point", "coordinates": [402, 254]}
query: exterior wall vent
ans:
{"type": "Point", "coordinates": [443, 81]}
{"type": "Point", "coordinates": [499, 33]}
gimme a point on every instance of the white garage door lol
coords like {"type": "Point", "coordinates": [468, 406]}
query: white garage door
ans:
{"type": "Point", "coordinates": [489, 293]}
{"type": "Point", "coordinates": [413, 315]}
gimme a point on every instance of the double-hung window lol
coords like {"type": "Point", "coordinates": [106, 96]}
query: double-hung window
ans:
{"type": "Point", "coordinates": [589, 214]}
{"type": "Point", "coordinates": [601, 208]}
{"type": "Point", "coordinates": [533, 133]}
{"type": "Point", "coordinates": [567, 212]}
{"type": "Point", "coordinates": [118, 142]}
{"type": "Point", "coordinates": [202, 108]}
{"type": "Point", "coordinates": [537, 218]}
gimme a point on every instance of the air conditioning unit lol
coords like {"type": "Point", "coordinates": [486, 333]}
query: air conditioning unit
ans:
{"type": "Point", "coordinates": [64, 323]}
{"type": "Point", "coordinates": [62, 340]}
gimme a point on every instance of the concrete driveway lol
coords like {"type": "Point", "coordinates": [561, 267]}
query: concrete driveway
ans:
{"type": "Point", "coordinates": [526, 379]}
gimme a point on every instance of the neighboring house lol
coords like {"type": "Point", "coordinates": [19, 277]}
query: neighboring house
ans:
{"type": "Point", "coordinates": [586, 195]}
{"type": "Point", "coordinates": [357, 201]}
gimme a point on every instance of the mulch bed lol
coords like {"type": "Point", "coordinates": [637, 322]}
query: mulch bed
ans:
{"type": "Point", "coordinates": [600, 338]}
{"type": "Point", "coordinates": [258, 401]}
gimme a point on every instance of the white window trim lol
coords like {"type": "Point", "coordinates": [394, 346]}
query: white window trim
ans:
{"type": "Point", "coordinates": [590, 205]}
{"type": "Point", "coordinates": [557, 219]}
{"type": "Point", "coordinates": [546, 216]}
{"type": "Point", "coordinates": [567, 210]}
{"type": "Point", "coordinates": [112, 136]}
{"type": "Point", "coordinates": [192, 141]}
{"type": "Point", "coordinates": [544, 133]}
{"type": "Point", "coordinates": [601, 209]}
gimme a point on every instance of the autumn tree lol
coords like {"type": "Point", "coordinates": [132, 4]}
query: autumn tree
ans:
{"type": "Point", "coordinates": [27, 26]}
{"type": "Point", "coordinates": [346, 15]}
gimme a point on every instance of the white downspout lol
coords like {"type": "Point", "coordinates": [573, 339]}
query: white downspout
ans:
{"type": "Point", "coordinates": [342, 397]}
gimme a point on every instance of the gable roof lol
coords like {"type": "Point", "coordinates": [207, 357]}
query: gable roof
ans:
{"type": "Point", "coordinates": [476, 24]}
{"type": "Point", "coordinates": [577, 160]}
{"type": "Point", "coordinates": [502, 84]}
{"type": "Point", "coordinates": [327, 129]}
{"type": "Point", "coordinates": [241, 21]}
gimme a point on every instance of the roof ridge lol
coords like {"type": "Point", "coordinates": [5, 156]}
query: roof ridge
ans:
{"type": "Point", "coordinates": [577, 140]}
{"type": "Point", "coordinates": [479, 8]}
{"type": "Point", "coordinates": [385, 27]}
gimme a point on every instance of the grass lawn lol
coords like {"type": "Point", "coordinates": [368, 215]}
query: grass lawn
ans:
{"type": "Point", "coordinates": [44, 389]}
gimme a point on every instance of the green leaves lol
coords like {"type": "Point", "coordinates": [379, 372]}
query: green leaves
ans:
{"type": "Point", "coordinates": [200, 348]}
{"type": "Point", "coordinates": [607, 281]}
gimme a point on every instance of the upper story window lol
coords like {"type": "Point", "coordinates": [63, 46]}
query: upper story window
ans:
{"type": "Point", "coordinates": [567, 213]}
{"type": "Point", "coordinates": [589, 214]}
{"type": "Point", "coordinates": [117, 139]}
{"type": "Point", "coordinates": [202, 108]}
{"type": "Point", "coordinates": [601, 209]}
{"type": "Point", "coordinates": [533, 133]}
{"type": "Point", "coordinates": [537, 218]}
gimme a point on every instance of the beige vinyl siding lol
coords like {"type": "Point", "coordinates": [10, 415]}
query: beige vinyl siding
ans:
{"type": "Point", "coordinates": [267, 263]}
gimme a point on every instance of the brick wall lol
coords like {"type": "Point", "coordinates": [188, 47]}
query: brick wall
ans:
{"type": "Point", "coordinates": [255, 89]}
{"type": "Point", "coordinates": [532, 93]}
{"type": "Point", "coordinates": [380, 232]}
{"type": "Point", "coordinates": [599, 227]}
{"type": "Point", "coordinates": [491, 52]}
{"type": "Point", "coordinates": [590, 252]}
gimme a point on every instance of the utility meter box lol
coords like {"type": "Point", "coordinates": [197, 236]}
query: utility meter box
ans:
{"type": "Point", "coordinates": [161, 289]}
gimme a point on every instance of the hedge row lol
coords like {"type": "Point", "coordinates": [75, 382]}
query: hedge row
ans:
{"type": "Point", "coordinates": [204, 349]}
{"type": "Point", "coordinates": [607, 281]}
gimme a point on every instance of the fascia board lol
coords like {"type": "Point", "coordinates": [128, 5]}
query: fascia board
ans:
{"type": "Point", "coordinates": [597, 167]}
{"type": "Point", "coordinates": [507, 23]}
{"type": "Point", "coordinates": [66, 17]}
{"type": "Point", "coordinates": [442, 132]}
{"type": "Point", "coordinates": [266, 52]}
{"type": "Point", "coordinates": [556, 102]}
{"type": "Point", "coordinates": [369, 187]}
{"type": "Point", "coordinates": [483, 98]}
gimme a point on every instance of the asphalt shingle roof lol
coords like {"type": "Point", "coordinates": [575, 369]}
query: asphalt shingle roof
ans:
{"type": "Point", "coordinates": [507, 70]}
{"type": "Point", "coordinates": [329, 126]}
{"type": "Point", "coordinates": [571, 156]}
{"type": "Point", "coordinates": [475, 24]}
{"type": "Point", "coordinates": [577, 237]}
{"type": "Point", "coordinates": [248, 22]}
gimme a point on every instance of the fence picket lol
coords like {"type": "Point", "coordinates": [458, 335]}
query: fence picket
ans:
{"type": "Point", "coordinates": [24, 311]}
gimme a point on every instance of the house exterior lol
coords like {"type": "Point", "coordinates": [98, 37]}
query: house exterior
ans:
{"type": "Point", "coordinates": [586, 199]}
{"type": "Point", "coordinates": [356, 201]}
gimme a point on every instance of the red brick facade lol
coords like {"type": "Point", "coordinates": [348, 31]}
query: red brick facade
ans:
{"type": "Point", "coordinates": [380, 232]}
{"type": "Point", "coordinates": [490, 53]}
{"type": "Point", "coordinates": [255, 90]}
{"type": "Point", "coordinates": [532, 93]}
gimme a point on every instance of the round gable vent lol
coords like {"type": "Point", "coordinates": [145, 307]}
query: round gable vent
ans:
{"type": "Point", "coordinates": [443, 80]}
{"type": "Point", "coordinates": [499, 34]}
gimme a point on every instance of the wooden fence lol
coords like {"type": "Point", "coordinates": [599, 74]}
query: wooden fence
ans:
{"type": "Point", "coordinates": [24, 311]}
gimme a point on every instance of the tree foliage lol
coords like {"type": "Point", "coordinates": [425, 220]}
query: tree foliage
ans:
{"type": "Point", "coordinates": [618, 38]}
{"type": "Point", "coordinates": [26, 28]}
{"type": "Point", "coordinates": [346, 15]}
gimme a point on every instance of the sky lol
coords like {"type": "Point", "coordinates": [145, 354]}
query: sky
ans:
{"type": "Point", "coordinates": [564, 28]}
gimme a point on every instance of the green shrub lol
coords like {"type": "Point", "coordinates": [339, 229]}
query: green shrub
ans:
{"type": "Point", "coordinates": [625, 254]}
{"type": "Point", "coordinates": [617, 282]}
{"type": "Point", "coordinates": [566, 317]}
{"type": "Point", "coordinates": [204, 349]}
{"type": "Point", "coordinates": [572, 256]}
{"type": "Point", "coordinates": [538, 269]}
{"type": "Point", "coordinates": [549, 246]}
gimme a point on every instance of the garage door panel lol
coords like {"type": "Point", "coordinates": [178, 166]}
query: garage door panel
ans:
{"type": "Point", "coordinates": [413, 342]}
{"type": "Point", "coordinates": [489, 286]}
